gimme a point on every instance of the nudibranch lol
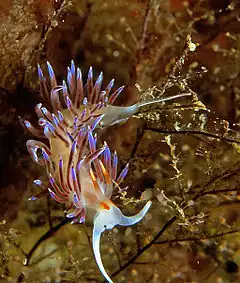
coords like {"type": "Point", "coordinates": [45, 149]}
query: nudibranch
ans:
{"type": "Point", "coordinates": [81, 175]}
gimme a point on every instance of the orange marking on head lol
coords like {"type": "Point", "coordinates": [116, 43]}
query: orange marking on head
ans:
{"type": "Point", "coordinates": [105, 205]}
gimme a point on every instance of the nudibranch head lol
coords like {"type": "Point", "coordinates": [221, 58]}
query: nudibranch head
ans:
{"type": "Point", "coordinates": [81, 175]}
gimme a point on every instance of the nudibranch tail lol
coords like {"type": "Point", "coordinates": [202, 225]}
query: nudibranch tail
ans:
{"type": "Point", "coordinates": [107, 219]}
{"type": "Point", "coordinates": [163, 99]}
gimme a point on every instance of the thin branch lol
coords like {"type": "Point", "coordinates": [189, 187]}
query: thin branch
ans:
{"type": "Point", "coordinates": [227, 202]}
{"type": "Point", "coordinates": [223, 175]}
{"type": "Point", "coordinates": [140, 133]}
{"type": "Point", "coordinates": [58, 13]}
{"type": "Point", "coordinates": [143, 249]}
{"type": "Point", "coordinates": [50, 27]}
{"type": "Point", "coordinates": [88, 238]}
{"type": "Point", "coordinates": [17, 246]}
{"type": "Point", "coordinates": [118, 256]}
{"type": "Point", "coordinates": [142, 40]}
{"type": "Point", "coordinates": [192, 132]}
{"type": "Point", "coordinates": [214, 192]}
{"type": "Point", "coordinates": [45, 256]}
{"type": "Point", "coordinates": [44, 237]}
{"type": "Point", "coordinates": [197, 239]}
{"type": "Point", "coordinates": [138, 242]}
{"type": "Point", "coordinates": [49, 212]}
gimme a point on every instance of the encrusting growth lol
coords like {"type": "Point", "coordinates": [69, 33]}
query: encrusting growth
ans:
{"type": "Point", "coordinates": [80, 175]}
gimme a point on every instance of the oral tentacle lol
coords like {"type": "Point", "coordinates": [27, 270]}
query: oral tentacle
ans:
{"type": "Point", "coordinates": [131, 220]}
